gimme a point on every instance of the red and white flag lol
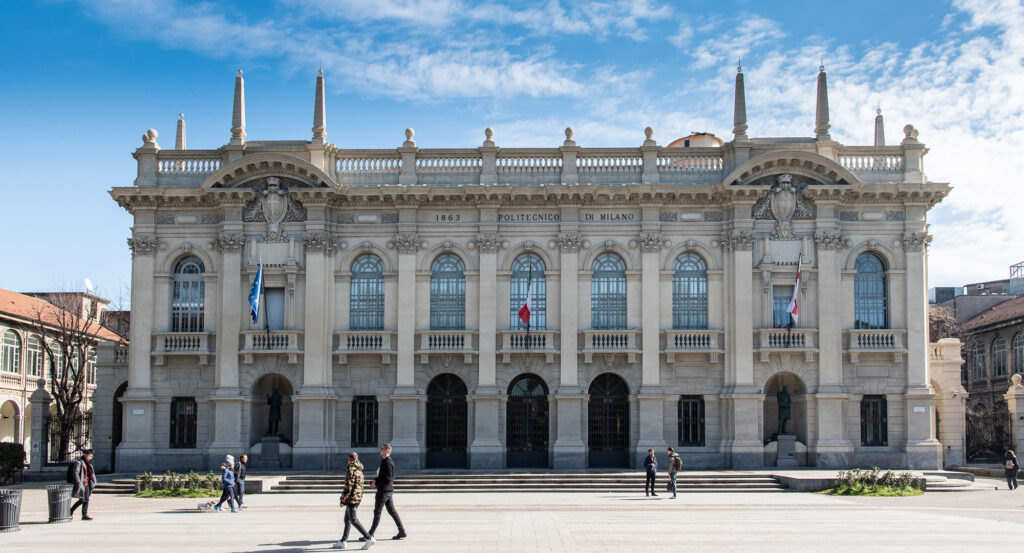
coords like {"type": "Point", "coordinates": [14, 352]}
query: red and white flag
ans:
{"type": "Point", "coordinates": [793, 309]}
{"type": "Point", "coordinates": [524, 311]}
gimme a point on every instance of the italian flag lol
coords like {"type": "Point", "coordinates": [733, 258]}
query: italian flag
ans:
{"type": "Point", "coordinates": [794, 309]}
{"type": "Point", "coordinates": [524, 311]}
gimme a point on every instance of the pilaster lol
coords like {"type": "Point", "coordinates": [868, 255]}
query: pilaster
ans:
{"type": "Point", "coordinates": [832, 448]}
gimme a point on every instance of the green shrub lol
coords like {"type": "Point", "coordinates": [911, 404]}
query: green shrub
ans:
{"type": "Point", "coordinates": [863, 482]}
{"type": "Point", "coordinates": [176, 484]}
{"type": "Point", "coordinates": [12, 460]}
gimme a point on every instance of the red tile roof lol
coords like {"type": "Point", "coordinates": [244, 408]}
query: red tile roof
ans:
{"type": "Point", "coordinates": [28, 308]}
{"type": "Point", "coordinates": [1003, 312]}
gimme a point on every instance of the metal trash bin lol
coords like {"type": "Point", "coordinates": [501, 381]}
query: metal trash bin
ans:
{"type": "Point", "coordinates": [59, 497]}
{"type": "Point", "coordinates": [10, 510]}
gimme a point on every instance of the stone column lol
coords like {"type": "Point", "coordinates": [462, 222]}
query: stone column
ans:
{"type": "Point", "coordinates": [40, 400]}
{"type": "Point", "coordinates": [570, 400]}
{"type": "Point", "coordinates": [1014, 400]}
{"type": "Point", "coordinates": [741, 442]}
{"type": "Point", "coordinates": [832, 447]}
{"type": "Point", "coordinates": [404, 400]}
{"type": "Point", "coordinates": [650, 397]}
{"type": "Point", "coordinates": [486, 451]}
{"type": "Point", "coordinates": [944, 363]}
{"type": "Point", "coordinates": [137, 444]}
{"type": "Point", "coordinates": [226, 397]}
{"type": "Point", "coordinates": [923, 450]}
{"type": "Point", "coordinates": [313, 428]}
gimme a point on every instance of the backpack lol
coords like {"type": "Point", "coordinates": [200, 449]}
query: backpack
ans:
{"type": "Point", "coordinates": [71, 472]}
{"type": "Point", "coordinates": [676, 463]}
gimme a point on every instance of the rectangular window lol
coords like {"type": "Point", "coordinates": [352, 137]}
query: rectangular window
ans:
{"type": "Point", "coordinates": [364, 421]}
{"type": "Point", "coordinates": [275, 307]}
{"type": "Point", "coordinates": [781, 296]}
{"type": "Point", "coordinates": [874, 425]}
{"type": "Point", "coordinates": [183, 422]}
{"type": "Point", "coordinates": [691, 421]}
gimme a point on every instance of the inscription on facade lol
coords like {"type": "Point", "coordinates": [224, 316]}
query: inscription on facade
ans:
{"type": "Point", "coordinates": [608, 216]}
{"type": "Point", "coordinates": [529, 217]}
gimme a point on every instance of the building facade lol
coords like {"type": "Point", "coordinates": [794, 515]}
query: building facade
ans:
{"type": "Point", "coordinates": [659, 281]}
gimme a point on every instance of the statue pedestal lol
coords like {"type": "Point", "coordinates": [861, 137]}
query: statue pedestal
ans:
{"type": "Point", "coordinates": [270, 452]}
{"type": "Point", "coordinates": [787, 451]}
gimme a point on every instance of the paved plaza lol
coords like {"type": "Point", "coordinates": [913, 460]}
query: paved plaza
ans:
{"type": "Point", "coordinates": [519, 522]}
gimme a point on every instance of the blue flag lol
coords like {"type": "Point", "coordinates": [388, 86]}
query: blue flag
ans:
{"type": "Point", "coordinates": [255, 293]}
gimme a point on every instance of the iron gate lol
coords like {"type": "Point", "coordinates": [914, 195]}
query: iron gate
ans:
{"type": "Point", "coordinates": [446, 422]}
{"type": "Point", "coordinates": [527, 423]}
{"type": "Point", "coordinates": [988, 432]}
{"type": "Point", "coordinates": [608, 422]}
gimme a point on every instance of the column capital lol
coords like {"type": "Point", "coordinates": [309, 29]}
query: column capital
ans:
{"type": "Point", "coordinates": [569, 243]}
{"type": "Point", "coordinates": [830, 240]}
{"type": "Point", "coordinates": [487, 243]}
{"type": "Point", "coordinates": [738, 240]}
{"type": "Point", "coordinates": [916, 241]}
{"type": "Point", "coordinates": [143, 244]}
{"type": "Point", "coordinates": [229, 243]}
{"type": "Point", "coordinates": [322, 242]}
{"type": "Point", "coordinates": [651, 242]}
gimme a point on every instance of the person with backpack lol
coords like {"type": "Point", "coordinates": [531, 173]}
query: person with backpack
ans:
{"type": "Point", "coordinates": [351, 497]}
{"type": "Point", "coordinates": [83, 479]}
{"type": "Point", "coordinates": [227, 480]}
{"type": "Point", "coordinates": [1011, 466]}
{"type": "Point", "coordinates": [675, 464]}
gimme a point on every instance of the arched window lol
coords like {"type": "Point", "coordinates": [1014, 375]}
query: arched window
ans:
{"type": "Point", "coordinates": [10, 356]}
{"type": "Point", "coordinates": [978, 371]}
{"type": "Point", "coordinates": [56, 360]}
{"type": "Point", "coordinates": [366, 294]}
{"type": "Point", "coordinates": [999, 357]}
{"type": "Point", "coordinates": [1018, 353]}
{"type": "Point", "coordinates": [34, 357]}
{"type": "Point", "coordinates": [608, 293]}
{"type": "Point", "coordinates": [528, 272]}
{"type": "Point", "coordinates": [870, 293]}
{"type": "Point", "coordinates": [690, 292]}
{"type": "Point", "coordinates": [189, 293]}
{"type": "Point", "coordinates": [447, 293]}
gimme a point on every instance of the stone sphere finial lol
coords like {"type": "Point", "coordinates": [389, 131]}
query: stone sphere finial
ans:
{"type": "Point", "coordinates": [649, 132]}
{"type": "Point", "coordinates": [239, 72]}
{"type": "Point", "coordinates": [569, 133]}
{"type": "Point", "coordinates": [150, 136]}
{"type": "Point", "coordinates": [409, 133]}
{"type": "Point", "coordinates": [1015, 379]}
{"type": "Point", "coordinates": [489, 133]}
{"type": "Point", "coordinates": [908, 131]}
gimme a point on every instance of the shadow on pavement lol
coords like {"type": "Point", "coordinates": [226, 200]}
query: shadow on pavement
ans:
{"type": "Point", "coordinates": [297, 547]}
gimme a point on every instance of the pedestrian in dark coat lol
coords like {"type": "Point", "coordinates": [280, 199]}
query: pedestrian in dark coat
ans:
{"type": "Point", "coordinates": [1011, 466]}
{"type": "Point", "coordinates": [84, 482]}
{"type": "Point", "coordinates": [227, 481]}
{"type": "Point", "coordinates": [385, 484]}
{"type": "Point", "coordinates": [351, 497]}
{"type": "Point", "coordinates": [651, 466]}
{"type": "Point", "coordinates": [239, 470]}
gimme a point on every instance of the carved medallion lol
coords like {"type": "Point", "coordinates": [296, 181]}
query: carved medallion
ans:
{"type": "Point", "coordinates": [784, 202]}
{"type": "Point", "coordinates": [274, 205]}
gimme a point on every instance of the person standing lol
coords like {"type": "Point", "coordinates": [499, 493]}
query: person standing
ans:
{"type": "Point", "coordinates": [239, 470]}
{"type": "Point", "coordinates": [675, 464]}
{"type": "Point", "coordinates": [227, 481]}
{"type": "Point", "coordinates": [1011, 466]}
{"type": "Point", "coordinates": [651, 466]}
{"type": "Point", "coordinates": [351, 497]}
{"type": "Point", "coordinates": [385, 484]}
{"type": "Point", "coordinates": [84, 482]}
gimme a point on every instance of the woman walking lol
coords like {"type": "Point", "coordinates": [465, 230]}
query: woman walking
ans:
{"type": "Point", "coordinates": [1011, 466]}
{"type": "Point", "coordinates": [227, 480]}
{"type": "Point", "coordinates": [351, 497]}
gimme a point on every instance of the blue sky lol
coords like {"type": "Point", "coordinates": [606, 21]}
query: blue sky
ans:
{"type": "Point", "coordinates": [82, 80]}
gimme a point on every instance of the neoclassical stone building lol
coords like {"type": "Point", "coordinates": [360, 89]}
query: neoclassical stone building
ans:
{"type": "Point", "coordinates": [660, 282]}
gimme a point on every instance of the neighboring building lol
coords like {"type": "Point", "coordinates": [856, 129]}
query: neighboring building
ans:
{"type": "Point", "coordinates": [659, 280]}
{"type": "Point", "coordinates": [942, 294]}
{"type": "Point", "coordinates": [993, 353]}
{"type": "Point", "coordinates": [25, 371]}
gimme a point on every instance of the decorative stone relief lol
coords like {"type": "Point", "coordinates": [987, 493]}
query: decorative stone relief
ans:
{"type": "Point", "coordinates": [830, 240]}
{"type": "Point", "coordinates": [211, 219]}
{"type": "Point", "coordinates": [344, 218]}
{"type": "Point", "coordinates": [569, 243]}
{"type": "Point", "coordinates": [669, 216]}
{"type": "Point", "coordinates": [322, 242]}
{"type": "Point", "coordinates": [916, 241]}
{"type": "Point", "coordinates": [849, 216]}
{"type": "Point", "coordinates": [738, 240]}
{"type": "Point", "coordinates": [388, 218]}
{"type": "Point", "coordinates": [487, 243]}
{"type": "Point", "coordinates": [165, 219]}
{"type": "Point", "coordinates": [650, 242]}
{"type": "Point", "coordinates": [143, 245]}
{"type": "Point", "coordinates": [714, 216]}
{"type": "Point", "coordinates": [274, 205]}
{"type": "Point", "coordinates": [784, 202]}
{"type": "Point", "coordinates": [406, 243]}
{"type": "Point", "coordinates": [226, 243]}
{"type": "Point", "coordinates": [895, 216]}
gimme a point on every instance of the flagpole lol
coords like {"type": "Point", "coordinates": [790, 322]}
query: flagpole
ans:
{"type": "Point", "coordinates": [529, 283]}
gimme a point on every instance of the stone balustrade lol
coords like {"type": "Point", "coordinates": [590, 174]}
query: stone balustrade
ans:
{"type": "Point", "coordinates": [860, 341]}
{"type": "Point", "coordinates": [770, 340]}
{"type": "Point", "coordinates": [446, 342]}
{"type": "Point", "coordinates": [610, 342]}
{"type": "Point", "coordinates": [11, 380]}
{"type": "Point", "coordinates": [873, 165]}
{"type": "Point", "coordinates": [535, 341]}
{"type": "Point", "coordinates": [364, 341]}
{"type": "Point", "coordinates": [258, 342]}
{"type": "Point", "coordinates": [186, 167]}
{"type": "Point", "coordinates": [693, 341]}
{"type": "Point", "coordinates": [181, 343]}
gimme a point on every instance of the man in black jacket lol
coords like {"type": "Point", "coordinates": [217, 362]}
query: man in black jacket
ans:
{"type": "Point", "coordinates": [385, 484]}
{"type": "Point", "coordinates": [239, 470]}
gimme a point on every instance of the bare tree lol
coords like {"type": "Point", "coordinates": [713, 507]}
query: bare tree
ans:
{"type": "Point", "coordinates": [68, 328]}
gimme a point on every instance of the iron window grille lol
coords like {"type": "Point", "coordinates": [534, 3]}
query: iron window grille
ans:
{"type": "Point", "coordinates": [364, 421]}
{"type": "Point", "coordinates": [187, 310]}
{"type": "Point", "coordinates": [870, 293]}
{"type": "Point", "coordinates": [366, 294]}
{"type": "Point", "coordinates": [522, 268]}
{"type": "Point", "coordinates": [691, 421]}
{"type": "Point", "coordinates": [183, 423]}
{"type": "Point", "coordinates": [608, 293]}
{"type": "Point", "coordinates": [447, 293]}
{"type": "Point", "coordinates": [690, 293]}
{"type": "Point", "coordinates": [874, 423]}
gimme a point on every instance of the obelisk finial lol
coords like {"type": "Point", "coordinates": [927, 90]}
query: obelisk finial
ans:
{"type": "Point", "coordinates": [739, 111]}
{"type": "Point", "coordinates": [238, 112]}
{"type": "Point", "coordinates": [179, 137]}
{"type": "Point", "coordinates": [319, 111]}
{"type": "Point", "coordinates": [821, 124]}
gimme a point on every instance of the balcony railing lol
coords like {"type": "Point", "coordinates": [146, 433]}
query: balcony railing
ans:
{"type": "Point", "coordinates": [181, 343]}
{"type": "Point", "coordinates": [446, 342]}
{"type": "Point", "coordinates": [11, 380]}
{"type": "Point", "coordinates": [860, 341]}
{"type": "Point", "coordinates": [535, 341]}
{"type": "Point", "coordinates": [272, 342]}
{"type": "Point", "coordinates": [780, 339]}
{"type": "Point", "coordinates": [693, 341]}
{"type": "Point", "coordinates": [610, 342]}
{"type": "Point", "coordinates": [364, 341]}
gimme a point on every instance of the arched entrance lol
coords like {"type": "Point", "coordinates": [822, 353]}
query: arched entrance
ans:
{"type": "Point", "coordinates": [608, 422]}
{"type": "Point", "coordinates": [447, 424]}
{"type": "Point", "coordinates": [117, 425]}
{"type": "Point", "coordinates": [271, 399]}
{"type": "Point", "coordinates": [797, 392]}
{"type": "Point", "coordinates": [9, 422]}
{"type": "Point", "coordinates": [526, 436]}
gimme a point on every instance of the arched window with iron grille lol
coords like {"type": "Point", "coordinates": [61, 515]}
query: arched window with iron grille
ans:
{"type": "Point", "coordinates": [870, 293]}
{"type": "Point", "coordinates": [366, 294]}
{"type": "Point", "coordinates": [526, 269]}
{"type": "Point", "coordinates": [187, 301]}
{"type": "Point", "coordinates": [608, 293]}
{"type": "Point", "coordinates": [447, 293]}
{"type": "Point", "coordinates": [690, 293]}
